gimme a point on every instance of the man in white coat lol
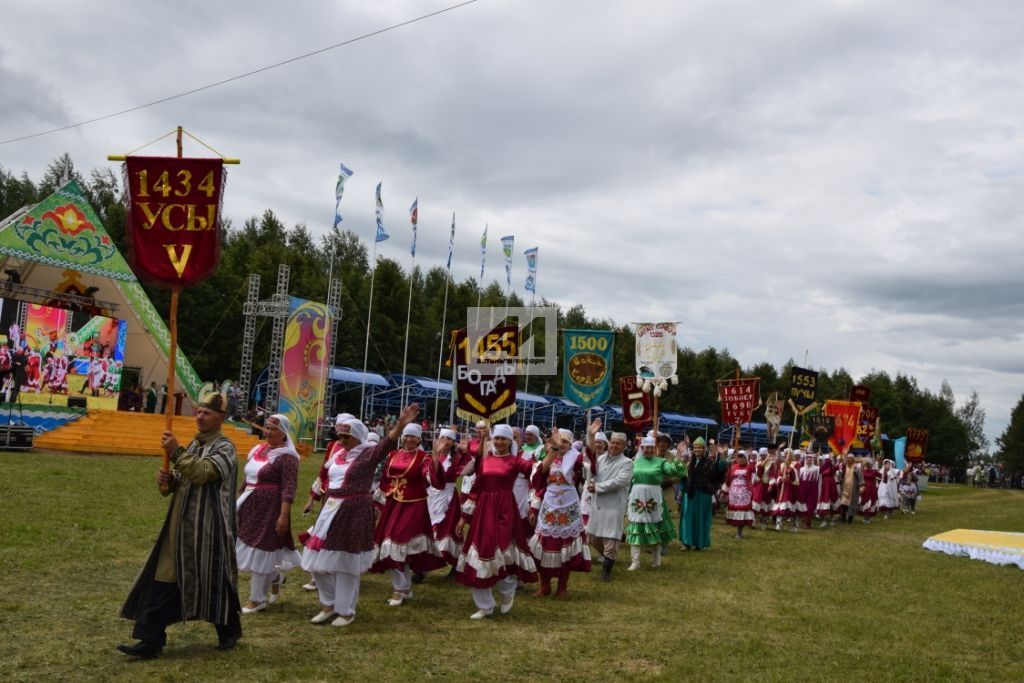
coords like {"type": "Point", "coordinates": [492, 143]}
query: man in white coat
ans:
{"type": "Point", "coordinates": [609, 494]}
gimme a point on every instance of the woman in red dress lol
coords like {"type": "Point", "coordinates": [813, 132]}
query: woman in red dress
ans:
{"type": "Point", "coordinates": [265, 546]}
{"type": "Point", "coordinates": [442, 502]}
{"type": "Point", "coordinates": [495, 551]}
{"type": "Point", "coordinates": [869, 491]}
{"type": "Point", "coordinates": [827, 493]}
{"type": "Point", "coordinates": [787, 500]}
{"type": "Point", "coordinates": [404, 538]}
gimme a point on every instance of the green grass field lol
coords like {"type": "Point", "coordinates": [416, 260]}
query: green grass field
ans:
{"type": "Point", "coordinates": [855, 603]}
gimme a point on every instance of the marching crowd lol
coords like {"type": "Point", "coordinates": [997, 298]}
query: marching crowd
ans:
{"type": "Point", "coordinates": [500, 509]}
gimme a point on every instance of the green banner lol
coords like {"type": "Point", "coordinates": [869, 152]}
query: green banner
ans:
{"type": "Point", "coordinates": [587, 366]}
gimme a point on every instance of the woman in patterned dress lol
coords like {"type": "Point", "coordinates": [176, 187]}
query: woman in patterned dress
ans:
{"type": "Point", "coordinates": [265, 546]}
{"type": "Point", "coordinates": [740, 512]}
{"type": "Point", "coordinates": [558, 544]}
{"type": "Point", "coordinates": [869, 491]}
{"type": "Point", "coordinates": [339, 547]}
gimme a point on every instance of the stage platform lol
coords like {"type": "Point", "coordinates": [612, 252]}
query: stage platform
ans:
{"type": "Point", "coordinates": [124, 433]}
{"type": "Point", "coordinates": [996, 547]}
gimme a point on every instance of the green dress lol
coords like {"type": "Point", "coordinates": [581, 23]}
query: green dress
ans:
{"type": "Point", "coordinates": [695, 519]}
{"type": "Point", "coordinates": [648, 523]}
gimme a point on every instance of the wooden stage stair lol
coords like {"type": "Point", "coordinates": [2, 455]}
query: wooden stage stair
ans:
{"type": "Point", "coordinates": [125, 433]}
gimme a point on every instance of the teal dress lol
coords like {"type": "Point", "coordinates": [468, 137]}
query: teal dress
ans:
{"type": "Point", "coordinates": [648, 522]}
{"type": "Point", "coordinates": [695, 520]}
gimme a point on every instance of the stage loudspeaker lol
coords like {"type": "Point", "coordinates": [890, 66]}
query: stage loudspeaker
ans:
{"type": "Point", "coordinates": [16, 437]}
{"type": "Point", "coordinates": [77, 402]}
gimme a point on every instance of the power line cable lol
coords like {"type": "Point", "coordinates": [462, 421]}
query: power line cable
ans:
{"type": "Point", "coordinates": [239, 77]}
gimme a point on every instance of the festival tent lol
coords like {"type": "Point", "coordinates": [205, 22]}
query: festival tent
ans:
{"type": "Point", "coordinates": [753, 433]}
{"type": "Point", "coordinates": [65, 258]}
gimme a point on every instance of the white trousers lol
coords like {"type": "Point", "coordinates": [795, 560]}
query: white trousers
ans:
{"type": "Point", "coordinates": [401, 580]}
{"type": "Point", "coordinates": [484, 598]}
{"type": "Point", "coordinates": [339, 590]}
{"type": "Point", "coordinates": [259, 586]}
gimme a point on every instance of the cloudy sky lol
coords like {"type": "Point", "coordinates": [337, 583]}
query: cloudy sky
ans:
{"type": "Point", "coordinates": [837, 178]}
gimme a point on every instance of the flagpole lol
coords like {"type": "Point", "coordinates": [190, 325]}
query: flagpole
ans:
{"type": "Point", "coordinates": [366, 347]}
{"type": "Point", "coordinates": [526, 388]}
{"type": "Point", "coordinates": [326, 367]}
{"type": "Point", "coordinates": [408, 308]}
{"type": "Point", "coordinates": [440, 352]}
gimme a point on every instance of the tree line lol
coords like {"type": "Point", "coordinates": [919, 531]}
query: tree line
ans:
{"type": "Point", "coordinates": [212, 319]}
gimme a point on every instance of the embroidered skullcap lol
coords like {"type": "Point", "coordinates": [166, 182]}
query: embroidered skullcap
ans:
{"type": "Point", "coordinates": [413, 429]}
{"type": "Point", "coordinates": [357, 430]}
{"type": "Point", "coordinates": [215, 401]}
{"type": "Point", "coordinates": [482, 423]}
{"type": "Point", "coordinates": [699, 441]}
{"type": "Point", "coordinates": [342, 418]}
{"type": "Point", "coordinates": [447, 434]}
{"type": "Point", "coordinates": [600, 436]}
{"type": "Point", "coordinates": [533, 429]}
{"type": "Point", "coordinates": [565, 434]}
{"type": "Point", "coordinates": [503, 431]}
{"type": "Point", "coordinates": [648, 441]}
{"type": "Point", "coordinates": [619, 436]}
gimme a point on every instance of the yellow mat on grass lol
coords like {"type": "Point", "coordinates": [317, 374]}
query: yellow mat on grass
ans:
{"type": "Point", "coordinates": [997, 547]}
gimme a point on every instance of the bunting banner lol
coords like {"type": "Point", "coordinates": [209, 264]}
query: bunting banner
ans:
{"type": "Point", "coordinates": [344, 173]}
{"type": "Point", "coordinates": [917, 444]}
{"type": "Point", "coordinates": [506, 248]}
{"type": "Point", "coordinates": [847, 421]}
{"type": "Point", "coordinates": [173, 217]}
{"type": "Point", "coordinates": [414, 217]}
{"type": "Point", "coordinates": [451, 244]}
{"type": "Point", "coordinates": [773, 408]}
{"type": "Point", "coordinates": [531, 270]}
{"type": "Point", "coordinates": [483, 254]}
{"type": "Point", "coordinates": [739, 398]}
{"type": "Point", "coordinates": [381, 235]}
{"type": "Point", "coordinates": [860, 393]}
{"type": "Point", "coordinates": [636, 405]}
{"type": "Point", "coordinates": [587, 366]}
{"type": "Point", "coordinates": [490, 396]}
{"type": "Point", "coordinates": [656, 356]}
{"type": "Point", "coordinates": [803, 384]}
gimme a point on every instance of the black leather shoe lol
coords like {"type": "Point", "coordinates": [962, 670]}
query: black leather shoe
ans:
{"type": "Point", "coordinates": [227, 643]}
{"type": "Point", "coordinates": [141, 650]}
{"type": "Point", "coordinates": [418, 577]}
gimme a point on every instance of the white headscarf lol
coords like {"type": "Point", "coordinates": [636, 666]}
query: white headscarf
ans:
{"type": "Point", "coordinates": [357, 430]}
{"type": "Point", "coordinates": [285, 425]}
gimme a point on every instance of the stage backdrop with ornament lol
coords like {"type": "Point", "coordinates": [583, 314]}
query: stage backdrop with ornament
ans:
{"type": "Point", "coordinates": [587, 366]}
{"type": "Point", "coordinates": [304, 366]}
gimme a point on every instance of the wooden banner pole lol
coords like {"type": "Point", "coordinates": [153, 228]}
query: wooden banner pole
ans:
{"type": "Point", "coordinates": [172, 351]}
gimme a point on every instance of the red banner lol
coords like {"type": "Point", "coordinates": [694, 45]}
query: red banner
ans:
{"type": "Point", "coordinates": [861, 394]}
{"type": "Point", "coordinates": [173, 221]}
{"type": "Point", "coordinates": [487, 392]}
{"type": "Point", "coordinates": [866, 427]}
{"type": "Point", "coordinates": [847, 417]}
{"type": "Point", "coordinates": [636, 405]}
{"type": "Point", "coordinates": [739, 397]}
{"type": "Point", "coordinates": [917, 444]}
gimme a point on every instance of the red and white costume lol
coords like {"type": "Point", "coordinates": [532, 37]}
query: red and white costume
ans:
{"type": "Point", "coordinates": [827, 492]}
{"type": "Point", "coordinates": [443, 505]}
{"type": "Point", "coordinates": [558, 544]}
{"type": "Point", "coordinates": [810, 484]}
{"type": "Point", "coordinates": [404, 537]}
{"type": "Point", "coordinates": [740, 511]}
{"type": "Point", "coordinates": [270, 478]}
{"type": "Point", "coordinates": [868, 502]}
{"type": "Point", "coordinates": [787, 502]}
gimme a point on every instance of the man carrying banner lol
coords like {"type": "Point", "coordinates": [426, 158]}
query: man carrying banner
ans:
{"type": "Point", "coordinates": [191, 572]}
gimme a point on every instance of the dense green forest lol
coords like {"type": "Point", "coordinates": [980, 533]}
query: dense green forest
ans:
{"type": "Point", "coordinates": [212, 320]}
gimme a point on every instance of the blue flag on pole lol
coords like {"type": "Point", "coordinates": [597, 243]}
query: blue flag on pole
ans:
{"type": "Point", "coordinates": [414, 216]}
{"type": "Point", "coordinates": [531, 270]}
{"type": "Point", "coordinates": [451, 243]}
{"type": "Point", "coordinates": [506, 247]}
{"type": "Point", "coordinates": [344, 174]}
{"type": "Point", "coordinates": [381, 235]}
